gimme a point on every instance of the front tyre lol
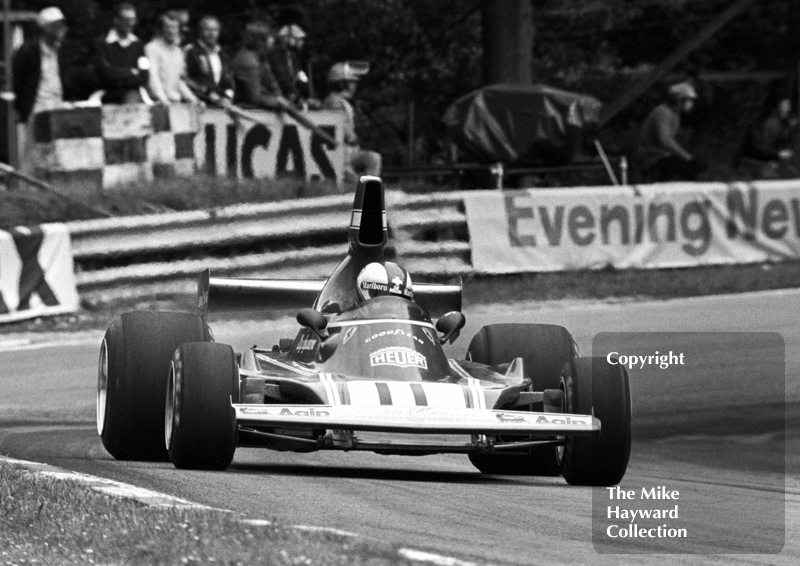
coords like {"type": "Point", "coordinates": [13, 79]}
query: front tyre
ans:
{"type": "Point", "coordinates": [544, 348]}
{"type": "Point", "coordinates": [594, 385]}
{"type": "Point", "coordinates": [132, 375]}
{"type": "Point", "coordinates": [199, 422]}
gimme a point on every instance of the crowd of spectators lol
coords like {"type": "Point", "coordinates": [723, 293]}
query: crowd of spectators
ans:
{"type": "Point", "coordinates": [267, 72]}
{"type": "Point", "coordinates": [184, 65]}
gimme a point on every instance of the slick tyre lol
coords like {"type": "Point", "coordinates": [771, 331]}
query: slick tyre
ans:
{"type": "Point", "coordinates": [199, 422]}
{"type": "Point", "coordinates": [592, 384]}
{"type": "Point", "coordinates": [545, 349]}
{"type": "Point", "coordinates": [134, 363]}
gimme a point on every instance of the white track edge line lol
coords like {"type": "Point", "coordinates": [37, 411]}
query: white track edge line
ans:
{"type": "Point", "coordinates": [22, 344]}
{"type": "Point", "coordinates": [435, 559]}
{"type": "Point", "coordinates": [107, 486]}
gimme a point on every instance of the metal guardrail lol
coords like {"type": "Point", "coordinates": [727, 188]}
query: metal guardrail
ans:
{"type": "Point", "coordinates": [185, 231]}
{"type": "Point", "coordinates": [148, 256]}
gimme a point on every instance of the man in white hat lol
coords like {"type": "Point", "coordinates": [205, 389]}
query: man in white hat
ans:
{"type": "Point", "coordinates": [661, 157]}
{"type": "Point", "coordinates": [38, 67]}
{"type": "Point", "coordinates": [39, 78]}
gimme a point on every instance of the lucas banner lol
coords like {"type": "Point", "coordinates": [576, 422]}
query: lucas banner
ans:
{"type": "Point", "coordinates": [644, 227]}
{"type": "Point", "coordinates": [269, 145]}
{"type": "Point", "coordinates": [36, 273]}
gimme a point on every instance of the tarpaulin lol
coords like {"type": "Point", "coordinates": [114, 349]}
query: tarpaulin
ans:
{"type": "Point", "coordinates": [36, 273]}
{"type": "Point", "coordinates": [650, 226]}
{"type": "Point", "coordinates": [522, 124]}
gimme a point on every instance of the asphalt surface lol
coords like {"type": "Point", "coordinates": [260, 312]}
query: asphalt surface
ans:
{"type": "Point", "coordinates": [712, 431]}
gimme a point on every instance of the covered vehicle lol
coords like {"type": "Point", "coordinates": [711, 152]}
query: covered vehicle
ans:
{"type": "Point", "coordinates": [533, 124]}
{"type": "Point", "coordinates": [366, 371]}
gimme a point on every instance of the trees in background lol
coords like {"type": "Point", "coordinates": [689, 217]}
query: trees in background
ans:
{"type": "Point", "coordinates": [508, 37]}
{"type": "Point", "coordinates": [427, 54]}
{"type": "Point", "coordinates": [424, 55]}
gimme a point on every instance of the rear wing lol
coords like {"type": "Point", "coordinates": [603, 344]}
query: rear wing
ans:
{"type": "Point", "coordinates": [227, 294]}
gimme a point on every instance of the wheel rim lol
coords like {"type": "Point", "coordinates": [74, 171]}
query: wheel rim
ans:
{"type": "Point", "coordinates": [102, 387]}
{"type": "Point", "coordinates": [171, 410]}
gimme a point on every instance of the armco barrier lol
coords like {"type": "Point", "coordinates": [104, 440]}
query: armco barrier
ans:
{"type": "Point", "coordinates": [151, 255]}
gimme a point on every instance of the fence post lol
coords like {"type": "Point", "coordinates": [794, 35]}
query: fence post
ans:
{"type": "Point", "coordinates": [497, 172]}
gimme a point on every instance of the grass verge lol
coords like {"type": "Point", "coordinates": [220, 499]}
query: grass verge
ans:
{"type": "Point", "coordinates": [49, 521]}
{"type": "Point", "coordinates": [639, 284]}
{"type": "Point", "coordinates": [24, 205]}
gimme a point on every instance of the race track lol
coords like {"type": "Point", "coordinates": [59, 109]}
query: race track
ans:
{"type": "Point", "coordinates": [717, 438]}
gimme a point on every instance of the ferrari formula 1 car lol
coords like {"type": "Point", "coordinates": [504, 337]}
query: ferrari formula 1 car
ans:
{"type": "Point", "coordinates": [366, 371]}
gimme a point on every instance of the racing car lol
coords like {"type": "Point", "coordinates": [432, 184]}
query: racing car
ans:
{"type": "Point", "coordinates": [367, 370]}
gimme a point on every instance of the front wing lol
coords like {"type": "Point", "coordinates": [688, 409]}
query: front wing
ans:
{"type": "Point", "coordinates": [419, 420]}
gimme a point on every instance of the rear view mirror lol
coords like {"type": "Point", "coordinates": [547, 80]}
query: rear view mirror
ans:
{"type": "Point", "coordinates": [450, 326]}
{"type": "Point", "coordinates": [312, 319]}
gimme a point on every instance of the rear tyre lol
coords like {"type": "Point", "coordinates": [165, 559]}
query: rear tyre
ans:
{"type": "Point", "coordinates": [545, 349]}
{"type": "Point", "coordinates": [132, 375]}
{"type": "Point", "coordinates": [199, 422]}
{"type": "Point", "coordinates": [593, 384]}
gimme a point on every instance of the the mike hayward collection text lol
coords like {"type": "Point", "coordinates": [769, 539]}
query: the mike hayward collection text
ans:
{"type": "Point", "coordinates": [633, 530]}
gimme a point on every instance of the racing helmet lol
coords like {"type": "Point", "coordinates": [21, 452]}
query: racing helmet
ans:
{"type": "Point", "coordinates": [377, 279]}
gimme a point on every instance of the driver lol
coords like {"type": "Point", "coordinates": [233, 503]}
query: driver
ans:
{"type": "Point", "coordinates": [388, 278]}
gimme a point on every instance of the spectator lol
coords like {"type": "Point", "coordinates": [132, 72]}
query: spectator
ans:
{"type": "Point", "coordinates": [286, 63]}
{"type": "Point", "coordinates": [255, 83]}
{"type": "Point", "coordinates": [182, 16]}
{"type": "Point", "coordinates": [343, 81]}
{"type": "Point", "coordinates": [208, 71]}
{"type": "Point", "coordinates": [661, 157]}
{"type": "Point", "coordinates": [40, 79]}
{"type": "Point", "coordinates": [767, 151]}
{"type": "Point", "coordinates": [38, 66]}
{"type": "Point", "coordinates": [167, 64]}
{"type": "Point", "coordinates": [122, 68]}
